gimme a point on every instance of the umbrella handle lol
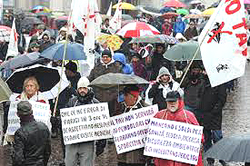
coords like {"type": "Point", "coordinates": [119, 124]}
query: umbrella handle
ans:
{"type": "Point", "coordinates": [64, 55]}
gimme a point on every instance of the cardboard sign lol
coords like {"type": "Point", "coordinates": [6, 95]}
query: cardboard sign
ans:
{"type": "Point", "coordinates": [86, 123]}
{"type": "Point", "coordinates": [41, 112]}
{"type": "Point", "coordinates": [173, 140]}
{"type": "Point", "coordinates": [130, 129]}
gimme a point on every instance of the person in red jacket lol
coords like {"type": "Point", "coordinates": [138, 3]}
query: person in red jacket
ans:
{"type": "Point", "coordinates": [175, 111]}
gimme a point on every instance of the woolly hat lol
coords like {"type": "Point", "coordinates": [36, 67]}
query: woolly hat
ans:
{"type": "Point", "coordinates": [41, 26]}
{"type": "Point", "coordinates": [71, 66]}
{"type": "Point", "coordinates": [83, 82]}
{"type": "Point", "coordinates": [163, 71]}
{"type": "Point", "coordinates": [107, 52]}
{"type": "Point", "coordinates": [24, 108]}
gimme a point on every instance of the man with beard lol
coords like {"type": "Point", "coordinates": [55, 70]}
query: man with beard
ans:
{"type": "Point", "coordinates": [194, 85]}
{"type": "Point", "coordinates": [175, 112]}
{"type": "Point", "coordinates": [82, 152]}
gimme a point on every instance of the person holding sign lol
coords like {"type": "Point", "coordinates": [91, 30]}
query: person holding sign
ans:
{"type": "Point", "coordinates": [132, 101]}
{"type": "Point", "coordinates": [174, 111]}
{"type": "Point", "coordinates": [32, 144]}
{"type": "Point", "coordinates": [31, 91]}
{"type": "Point", "coordinates": [84, 151]}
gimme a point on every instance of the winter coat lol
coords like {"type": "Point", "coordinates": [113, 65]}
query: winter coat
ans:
{"type": "Point", "coordinates": [126, 68]}
{"type": "Point", "coordinates": [140, 69]}
{"type": "Point", "coordinates": [180, 115]}
{"type": "Point", "coordinates": [179, 26]}
{"type": "Point", "coordinates": [190, 33]}
{"type": "Point", "coordinates": [167, 28]}
{"type": "Point", "coordinates": [109, 94]}
{"type": "Point", "coordinates": [32, 146]}
{"type": "Point", "coordinates": [157, 92]}
{"type": "Point", "coordinates": [135, 156]}
{"type": "Point", "coordinates": [212, 102]}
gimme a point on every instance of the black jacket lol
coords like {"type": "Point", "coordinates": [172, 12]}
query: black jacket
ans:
{"type": "Point", "coordinates": [32, 146]}
{"type": "Point", "coordinates": [89, 98]}
{"type": "Point", "coordinates": [213, 100]}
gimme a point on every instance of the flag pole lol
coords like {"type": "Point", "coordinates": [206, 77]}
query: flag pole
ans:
{"type": "Point", "coordinates": [196, 52]}
{"type": "Point", "coordinates": [64, 55]}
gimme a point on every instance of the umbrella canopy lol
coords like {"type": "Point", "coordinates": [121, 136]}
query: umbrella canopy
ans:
{"type": "Point", "coordinates": [5, 91]}
{"type": "Point", "coordinates": [74, 51]}
{"type": "Point", "coordinates": [155, 39]}
{"type": "Point", "coordinates": [113, 41]}
{"type": "Point", "coordinates": [4, 35]}
{"type": "Point", "coordinates": [47, 77]}
{"type": "Point", "coordinates": [195, 11]}
{"type": "Point", "coordinates": [167, 9]}
{"type": "Point", "coordinates": [182, 11]}
{"type": "Point", "coordinates": [174, 3]}
{"type": "Point", "coordinates": [126, 6]}
{"type": "Point", "coordinates": [137, 29]}
{"type": "Point", "coordinates": [195, 2]}
{"type": "Point", "coordinates": [246, 1]}
{"type": "Point", "coordinates": [169, 15]}
{"type": "Point", "coordinates": [193, 16]}
{"type": "Point", "coordinates": [21, 61]}
{"type": "Point", "coordinates": [28, 22]}
{"type": "Point", "coordinates": [183, 51]}
{"type": "Point", "coordinates": [40, 8]}
{"type": "Point", "coordinates": [208, 12]}
{"type": "Point", "coordinates": [150, 10]}
{"type": "Point", "coordinates": [115, 79]}
{"type": "Point", "coordinates": [52, 93]}
{"type": "Point", "coordinates": [234, 148]}
{"type": "Point", "coordinates": [127, 17]}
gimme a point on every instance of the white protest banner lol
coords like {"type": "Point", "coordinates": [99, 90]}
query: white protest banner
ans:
{"type": "Point", "coordinates": [130, 129]}
{"type": "Point", "coordinates": [41, 112]}
{"type": "Point", "coordinates": [173, 140]}
{"type": "Point", "coordinates": [86, 123]}
{"type": "Point", "coordinates": [223, 42]}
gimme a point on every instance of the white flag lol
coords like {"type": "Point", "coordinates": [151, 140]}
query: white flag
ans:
{"type": "Point", "coordinates": [86, 18]}
{"type": "Point", "coordinates": [116, 22]}
{"type": "Point", "coordinates": [224, 48]}
{"type": "Point", "coordinates": [110, 10]}
{"type": "Point", "coordinates": [12, 47]}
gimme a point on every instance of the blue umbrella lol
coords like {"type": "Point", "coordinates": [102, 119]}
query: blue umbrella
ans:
{"type": "Point", "coordinates": [74, 51]}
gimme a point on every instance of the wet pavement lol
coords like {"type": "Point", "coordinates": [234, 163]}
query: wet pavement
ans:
{"type": "Point", "coordinates": [236, 119]}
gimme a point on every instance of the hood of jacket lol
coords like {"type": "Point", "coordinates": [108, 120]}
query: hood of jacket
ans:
{"type": "Point", "coordinates": [163, 71]}
{"type": "Point", "coordinates": [120, 57]}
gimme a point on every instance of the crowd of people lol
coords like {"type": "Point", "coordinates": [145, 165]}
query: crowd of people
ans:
{"type": "Point", "coordinates": [192, 101]}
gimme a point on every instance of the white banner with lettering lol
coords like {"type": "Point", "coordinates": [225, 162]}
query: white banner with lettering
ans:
{"type": "Point", "coordinates": [85, 123]}
{"type": "Point", "coordinates": [223, 42]}
{"type": "Point", "coordinates": [41, 112]}
{"type": "Point", "coordinates": [130, 129]}
{"type": "Point", "coordinates": [173, 141]}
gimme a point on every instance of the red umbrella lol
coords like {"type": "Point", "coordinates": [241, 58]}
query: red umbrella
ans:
{"type": "Point", "coordinates": [5, 27]}
{"type": "Point", "coordinates": [174, 3]}
{"type": "Point", "coordinates": [137, 29]}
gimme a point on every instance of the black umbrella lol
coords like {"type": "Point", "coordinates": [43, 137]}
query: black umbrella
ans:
{"type": "Point", "coordinates": [28, 22]}
{"type": "Point", "coordinates": [234, 148]}
{"type": "Point", "coordinates": [21, 61]}
{"type": "Point", "coordinates": [47, 77]}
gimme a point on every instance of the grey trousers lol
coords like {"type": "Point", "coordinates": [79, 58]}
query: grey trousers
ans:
{"type": "Point", "coordinates": [82, 153]}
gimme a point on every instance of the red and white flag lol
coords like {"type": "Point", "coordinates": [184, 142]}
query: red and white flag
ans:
{"type": "Point", "coordinates": [116, 22]}
{"type": "Point", "coordinates": [86, 18]}
{"type": "Point", "coordinates": [223, 42]}
{"type": "Point", "coordinates": [13, 46]}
